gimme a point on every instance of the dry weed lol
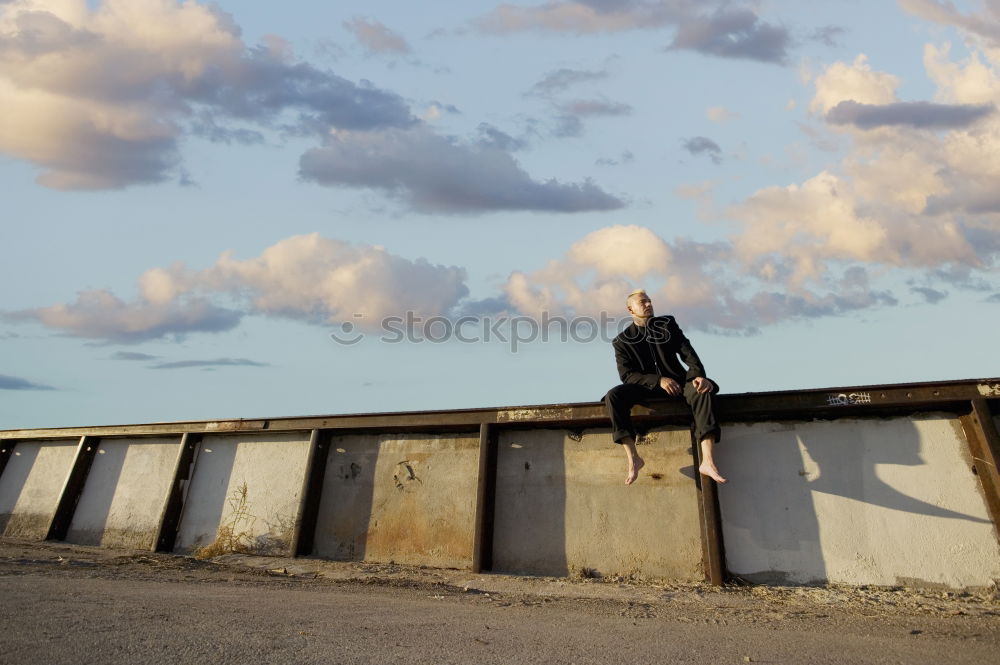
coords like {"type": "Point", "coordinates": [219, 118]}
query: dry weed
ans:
{"type": "Point", "coordinates": [236, 535]}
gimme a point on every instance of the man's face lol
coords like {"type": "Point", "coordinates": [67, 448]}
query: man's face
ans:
{"type": "Point", "coordinates": [641, 306]}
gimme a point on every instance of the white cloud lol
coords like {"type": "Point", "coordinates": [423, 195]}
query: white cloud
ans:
{"type": "Point", "coordinates": [376, 38]}
{"type": "Point", "coordinates": [917, 189]}
{"type": "Point", "coordinates": [804, 226]}
{"type": "Point", "coordinates": [853, 82]}
{"type": "Point", "coordinates": [100, 97]}
{"type": "Point", "coordinates": [601, 267]}
{"type": "Point", "coordinates": [309, 277]}
{"type": "Point", "coordinates": [970, 82]}
{"type": "Point", "coordinates": [99, 314]}
{"type": "Point", "coordinates": [323, 279]}
{"type": "Point", "coordinates": [982, 25]}
{"type": "Point", "coordinates": [720, 114]}
{"type": "Point", "coordinates": [703, 284]}
{"type": "Point", "coordinates": [594, 273]}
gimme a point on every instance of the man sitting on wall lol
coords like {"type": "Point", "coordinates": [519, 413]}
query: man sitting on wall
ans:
{"type": "Point", "coordinates": [646, 353]}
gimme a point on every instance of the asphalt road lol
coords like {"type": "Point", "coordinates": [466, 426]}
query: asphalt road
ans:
{"type": "Point", "coordinates": [61, 606]}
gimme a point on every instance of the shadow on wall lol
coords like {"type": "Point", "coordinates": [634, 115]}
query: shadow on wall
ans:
{"type": "Point", "coordinates": [208, 494]}
{"type": "Point", "coordinates": [12, 485]}
{"type": "Point", "coordinates": [90, 518]}
{"type": "Point", "coordinates": [31, 484]}
{"type": "Point", "coordinates": [806, 502]}
{"type": "Point", "coordinates": [563, 508]}
{"type": "Point", "coordinates": [848, 467]}
{"type": "Point", "coordinates": [529, 528]}
{"type": "Point", "coordinates": [345, 507]}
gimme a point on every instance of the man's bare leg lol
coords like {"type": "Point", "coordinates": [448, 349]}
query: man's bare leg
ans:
{"type": "Point", "coordinates": [708, 467]}
{"type": "Point", "coordinates": [634, 461]}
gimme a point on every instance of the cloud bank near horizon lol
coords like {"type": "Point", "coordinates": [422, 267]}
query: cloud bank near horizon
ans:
{"type": "Point", "coordinates": [307, 278]}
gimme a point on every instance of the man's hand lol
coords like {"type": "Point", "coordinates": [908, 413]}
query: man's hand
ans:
{"type": "Point", "coordinates": [671, 386]}
{"type": "Point", "coordinates": [703, 385]}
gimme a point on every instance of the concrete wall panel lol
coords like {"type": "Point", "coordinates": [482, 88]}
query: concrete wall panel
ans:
{"type": "Point", "coordinates": [408, 498]}
{"type": "Point", "coordinates": [270, 466]}
{"type": "Point", "coordinates": [31, 484]}
{"type": "Point", "coordinates": [124, 494]}
{"type": "Point", "coordinates": [856, 501]}
{"type": "Point", "coordinates": [562, 506]}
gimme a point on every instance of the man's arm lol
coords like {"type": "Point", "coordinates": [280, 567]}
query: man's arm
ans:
{"type": "Point", "coordinates": [629, 369]}
{"type": "Point", "coordinates": [696, 370]}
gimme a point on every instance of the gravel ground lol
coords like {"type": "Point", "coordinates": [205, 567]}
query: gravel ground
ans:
{"type": "Point", "coordinates": [63, 603]}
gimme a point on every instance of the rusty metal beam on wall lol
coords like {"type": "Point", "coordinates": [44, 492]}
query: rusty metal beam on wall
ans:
{"type": "Point", "coordinates": [712, 550]}
{"type": "Point", "coordinates": [173, 505]}
{"type": "Point", "coordinates": [984, 445]}
{"type": "Point", "coordinates": [72, 489]}
{"type": "Point", "coordinates": [847, 402]}
{"type": "Point", "coordinates": [482, 546]}
{"type": "Point", "coordinates": [857, 401]}
{"type": "Point", "coordinates": [304, 534]}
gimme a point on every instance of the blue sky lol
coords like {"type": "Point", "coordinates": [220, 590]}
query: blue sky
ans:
{"type": "Point", "coordinates": [197, 196]}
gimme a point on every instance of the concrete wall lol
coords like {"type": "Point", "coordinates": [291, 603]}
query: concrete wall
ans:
{"type": "Point", "coordinates": [125, 491]}
{"type": "Point", "coordinates": [562, 506]}
{"type": "Point", "coordinates": [271, 466]}
{"type": "Point", "coordinates": [855, 500]}
{"type": "Point", "coordinates": [874, 501]}
{"type": "Point", "coordinates": [404, 498]}
{"type": "Point", "coordinates": [31, 484]}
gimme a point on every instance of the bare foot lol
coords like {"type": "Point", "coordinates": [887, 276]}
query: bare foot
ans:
{"type": "Point", "coordinates": [633, 470]}
{"type": "Point", "coordinates": [708, 469]}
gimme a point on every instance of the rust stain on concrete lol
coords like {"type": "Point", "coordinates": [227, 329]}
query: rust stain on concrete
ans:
{"type": "Point", "coordinates": [517, 415]}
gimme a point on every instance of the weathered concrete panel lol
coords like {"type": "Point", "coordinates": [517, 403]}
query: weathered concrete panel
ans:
{"type": "Point", "coordinates": [563, 507]}
{"type": "Point", "coordinates": [31, 484]}
{"type": "Point", "coordinates": [873, 501]}
{"type": "Point", "coordinates": [408, 498]}
{"type": "Point", "coordinates": [270, 466]}
{"type": "Point", "coordinates": [125, 491]}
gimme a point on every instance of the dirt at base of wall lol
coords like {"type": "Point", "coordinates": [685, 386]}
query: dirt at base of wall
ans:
{"type": "Point", "coordinates": [695, 602]}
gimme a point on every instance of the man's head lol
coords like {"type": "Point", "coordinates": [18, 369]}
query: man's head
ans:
{"type": "Point", "coordinates": [639, 305]}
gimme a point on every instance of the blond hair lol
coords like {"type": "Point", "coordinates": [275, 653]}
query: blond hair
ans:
{"type": "Point", "coordinates": [628, 298]}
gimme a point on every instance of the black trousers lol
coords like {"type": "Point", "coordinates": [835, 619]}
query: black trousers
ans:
{"type": "Point", "coordinates": [620, 400]}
